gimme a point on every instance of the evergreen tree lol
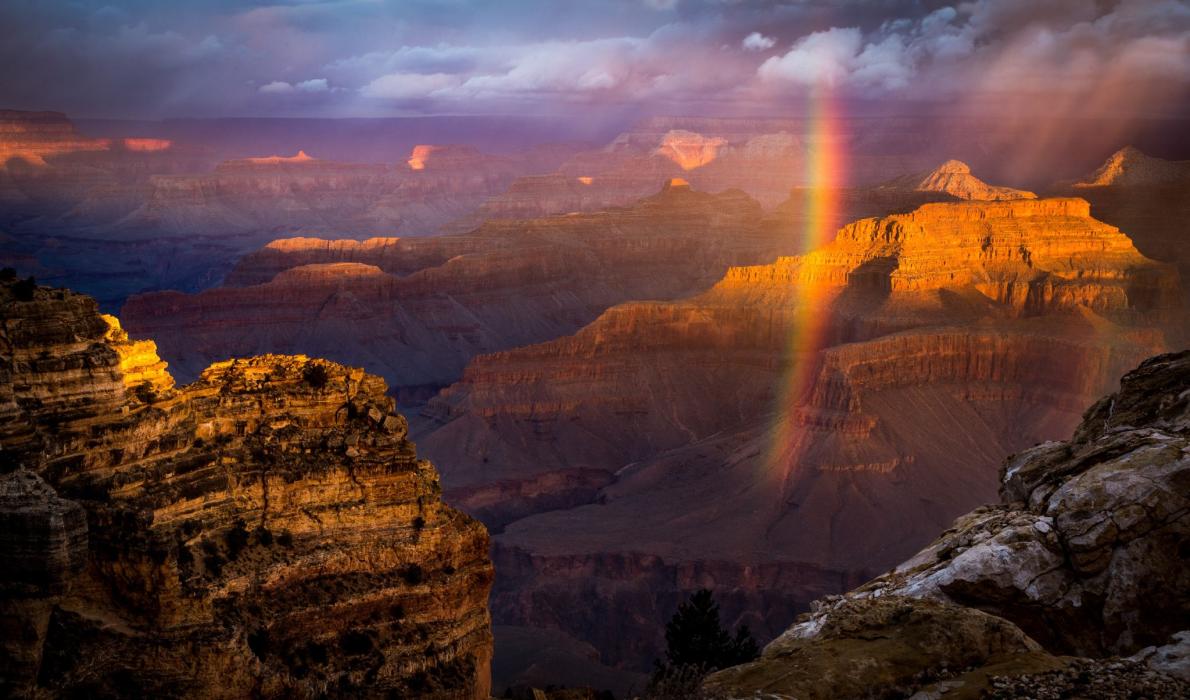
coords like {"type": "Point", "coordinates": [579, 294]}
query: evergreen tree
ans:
{"type": "Point", "coordinates": [697, 644]}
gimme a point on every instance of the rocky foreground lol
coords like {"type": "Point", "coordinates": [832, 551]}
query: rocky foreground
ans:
{"type": "Point", "coordinates": [1075, 585]}
{"type": "Point", "coordinates": [266, 531]}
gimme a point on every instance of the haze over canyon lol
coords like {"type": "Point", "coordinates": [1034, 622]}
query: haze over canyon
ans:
{"type": "Point", "coordinates": [642, 349]}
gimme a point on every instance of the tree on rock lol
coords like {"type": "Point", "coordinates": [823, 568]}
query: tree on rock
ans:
{"type": "Point", "coordinates": [696, 644]}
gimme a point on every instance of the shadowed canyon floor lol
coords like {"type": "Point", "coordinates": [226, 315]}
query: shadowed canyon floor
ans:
{"type": "Point", "coordinates": [267, 530]}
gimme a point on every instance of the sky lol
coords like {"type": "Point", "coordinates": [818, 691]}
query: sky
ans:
{"type": "Point", "coordinates": [342, 58]}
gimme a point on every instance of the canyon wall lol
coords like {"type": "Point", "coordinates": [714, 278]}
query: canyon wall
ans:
{"type": "Point", "coordinates": [1080, 563]}
{"type": "Point", "coordinates": [416, 310]}
{"type": "Point", "coordinates": [799, 416]}
{"type": "Point", "coordinates": [266, 530]}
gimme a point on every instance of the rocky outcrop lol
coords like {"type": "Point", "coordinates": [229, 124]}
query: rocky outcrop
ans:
{"type": "Point", "coordinates": [1084, 554]}
{"type": "Point", "coordinates": [416, 310]}
{"type": "Point", "coordinates": [1147, 197]}
{"type": "Point", "coordinates": [267, 530]}
{"type": "Point", "coordinates": [804, 413]}
{"type": "Point", "coordinates": [1129, 167]}
{"type": "Point", "coordinates": [954, 178]}
{"type": "Point", "coordinates": [31, 137]}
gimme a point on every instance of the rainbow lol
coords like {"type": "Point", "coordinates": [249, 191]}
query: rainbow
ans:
{"type": "Point", "coordinates": [825, 175]}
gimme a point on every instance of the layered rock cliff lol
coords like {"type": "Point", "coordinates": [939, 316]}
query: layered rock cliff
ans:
{"type": "Point", "coordinates": [1147, 197]}
{"type": "Point", "coordinates": [802, 415]}
{"type": "Point", "coordinates": [1083, 557]}
{"type": "Point", "coordinates": [267, 530]}
{"type": "Point", "coordinates": [416, 310]}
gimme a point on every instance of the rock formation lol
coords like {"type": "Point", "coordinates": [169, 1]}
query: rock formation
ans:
{"type": "Point", "coordinates": [1147, 197]}
{"type": "Point", "coordinates": [1084, 556]}
{"type": "Point", "coordinates": [265, 531]}
{"type": "Point", "coordinates": [416, 310]}
{"type": "Point", "coordinates": [954, 178]}
{"type": "Point", "coordinates": [725, 440]}
{"type": "Point", "coordinates": [31, 137]}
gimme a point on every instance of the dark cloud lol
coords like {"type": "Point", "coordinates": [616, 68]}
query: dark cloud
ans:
{"type": "Point", "coordinates": [143, 58]}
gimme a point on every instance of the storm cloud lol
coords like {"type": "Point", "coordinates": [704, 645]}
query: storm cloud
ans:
{"type": "Point", "coordinates": [136, 58]}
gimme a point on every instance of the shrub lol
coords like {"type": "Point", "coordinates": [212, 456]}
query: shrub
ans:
{"type": "Point", "coordinates": [24, 289]}
{"type": "Point", "coordinates": [315, 375]}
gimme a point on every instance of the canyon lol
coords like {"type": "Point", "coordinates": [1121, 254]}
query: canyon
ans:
{"type": "Point", "coordinates": [647, 368]}
{"type": "Point", "coordinates": [792, 431]}
{"type": "Point", "coordinates": [115, 216]}
{"type": "Point", "coordinates": [267, 530]}
{"type": "Point", "coordinates": [415, 310]}
{"type": "Point", "coordinates": [1072, 585]}
{"type": "Point", "coordinates": [776, 427]}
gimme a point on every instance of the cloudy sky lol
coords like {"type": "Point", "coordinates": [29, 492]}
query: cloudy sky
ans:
{"type": "Point", "coordinates": [153, 58]}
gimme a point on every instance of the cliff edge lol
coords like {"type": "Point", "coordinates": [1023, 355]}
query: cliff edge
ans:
{"type": "Point", "coordinates": [1075, 585]}
{"type": "Point", "coordinates": [266, 531]}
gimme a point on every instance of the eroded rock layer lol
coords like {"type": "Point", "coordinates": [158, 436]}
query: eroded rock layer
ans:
{"type": "Point", "coordinates": [728, 434]}
{"type": "Point", "coordinates": [267, 530]}
{"type": "Point", "coordinates": [1085, 554]}
{"type": "Point", "coordinates": [1147, 197]}
{"type": "Point", "coordinates": [416, 310]}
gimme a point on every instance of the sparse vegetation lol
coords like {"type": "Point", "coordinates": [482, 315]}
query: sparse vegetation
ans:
{"type": "Point", "coordinates": [23, 290]}
{"type": "Point", "coordinates": [315, 375]}
{"type": "Point", "coordinates": [697, 644]}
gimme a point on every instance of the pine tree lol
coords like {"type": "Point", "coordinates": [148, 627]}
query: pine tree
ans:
{"type": "Point", "coordinates": [697, 644]}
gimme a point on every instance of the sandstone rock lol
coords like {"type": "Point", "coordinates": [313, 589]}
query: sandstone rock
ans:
{"type": "Point", "coordinates": [267, 530]}
{"type": "Point", "coordinates": [1147, 197]}
{"type": "Point", "coordinates": [1172, 658]}
{"type": "Point", "coordinates": [937, 339]}
{"type": "Point", "coordinates": [44, 537]}
{"type": "Point", "coordinates": [1084, 554]}
{"type": "Point", "coordinates": [879, 647]}
{"type": "Point", "coordinates": [416, 310]}
{"type": "Point", "coordinates": [954, 178]}
{"type": "Point", "coordinates": [1130, 167]}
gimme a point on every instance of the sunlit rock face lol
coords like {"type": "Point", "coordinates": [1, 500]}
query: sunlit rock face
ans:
{"type": "Point", "coordinates": [1145, 196]}
{"type": "Point", "coordinates": [688, 149]}
{"type": "Point", "coordinates": [31, 137]}
{"type": "Point", "coordinates": [954, 178]}
{"type": "Point", "coordinates": [1081, 556]}
{"type": "Point", "coordinates": [1129, 167]}
{"type": "Point", "coordinates": [149, 145]}
{"type": "Point", "coordinates": [265, 531]}
{"type": "Point", "coordinates": [416, 310]}
{"type": "Point", "coordinates": [297, 159]}
{"type": "Point", "coordinates": [740, 451]}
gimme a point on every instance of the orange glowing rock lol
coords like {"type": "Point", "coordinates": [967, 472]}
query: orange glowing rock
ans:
{"type": "Point", "coordinates": [301, 157]}
{"type": "Point", "coordinates": [419, 156]}
{"type": "Point", "coordinates": [147, 145]}
{"type": "Point", "coordinates": [31, 137]}
{"type": "Point", "coordinates": [688, 149]}
{"type": "Point", "coordinates": [586, 180]}
{"type": "Point", "coordinates": [678, 182]}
